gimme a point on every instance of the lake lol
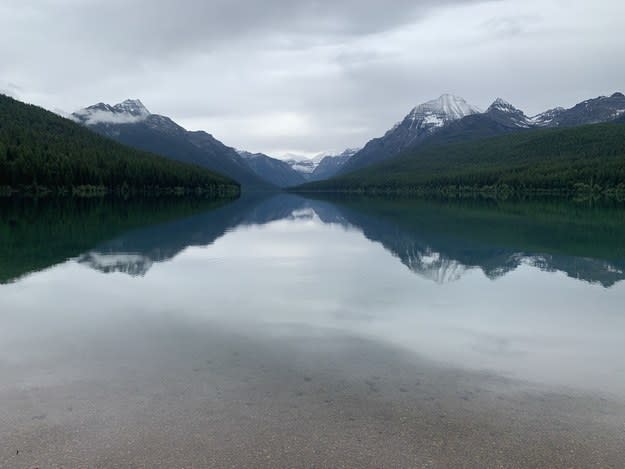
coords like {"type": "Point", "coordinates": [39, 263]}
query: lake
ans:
{"type": "Point", "coordinates": [284, 331]}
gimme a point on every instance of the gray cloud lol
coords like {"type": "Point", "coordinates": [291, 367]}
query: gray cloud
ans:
{"type": "Point", "coordinates": [104, 117]}
{"type": "Point", "coordinates": [151, 29]}
{"type": "Point", "coordinates": [307, 76]}
{"type": "Point", "coordinates": [509, 25]}
{"type": "Point", "coordinates": [10, 89]}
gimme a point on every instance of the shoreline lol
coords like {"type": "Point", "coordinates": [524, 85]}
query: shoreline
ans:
{"type": "Point", "coordinates": [331, 402]}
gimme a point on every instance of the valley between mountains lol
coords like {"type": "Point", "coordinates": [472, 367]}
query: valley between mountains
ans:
{"type": "Point", "coordinates": [433, 148]}
{"type": "Point", "coordinates": [445, 146]}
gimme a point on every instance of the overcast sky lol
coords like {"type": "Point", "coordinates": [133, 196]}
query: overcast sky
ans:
{"type": "Point", "coordinates": [284, 76]}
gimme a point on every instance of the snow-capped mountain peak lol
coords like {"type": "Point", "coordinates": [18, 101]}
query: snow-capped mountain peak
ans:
{"type": "Point", "coordinates": [325, 163]}
{"type": "Point", "coordinates": [421, 122]}
{"type": "Point", "coordinates": [506, 114]}
{"type": "Point", "coordinates": [134, 107]}
{"type": "Point", "coordinates": [449, 106]}
{"type": "Point", "coordinates": [502, 105]}
{"type": "Point", "coordinates": [436, 113]}
{"type": "Point", "coordinates": [547, 118]}
{"type": "Point", "coordinates": [304, 165]}
{"type": "Point", "coordinates": [129, 111]}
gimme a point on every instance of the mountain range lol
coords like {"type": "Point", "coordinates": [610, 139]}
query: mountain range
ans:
{"type": "Point", "coordinates": [321, 166]}
{"type": "Point", "coordinates": [303, 165]}
{"type": "Point", "coordinates": [130, 123]}
{"type": "Point", "coordinates": [42, 153]}
{"type": "Point", "coordinates": [586, 161]}
{"type": "Point", "coordinates": [277, 172]}
{"type": "Point", "coordinates": [450, 119]}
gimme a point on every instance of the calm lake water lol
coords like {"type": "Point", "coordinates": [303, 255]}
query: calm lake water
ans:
{"type": "Point", "coordinates": [281, 331]}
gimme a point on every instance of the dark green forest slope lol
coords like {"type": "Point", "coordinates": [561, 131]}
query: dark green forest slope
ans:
{"type": "Point", "coordinates": [583, 159]}
{"type": "Point", "coordinates": [41, 152]}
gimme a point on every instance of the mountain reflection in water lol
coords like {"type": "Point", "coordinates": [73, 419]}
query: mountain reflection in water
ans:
{"type": "Point", "coordinates": [440, 241]}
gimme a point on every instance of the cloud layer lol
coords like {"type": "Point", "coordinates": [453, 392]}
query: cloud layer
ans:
{"type": "Point", "coordinates": [306, 76]}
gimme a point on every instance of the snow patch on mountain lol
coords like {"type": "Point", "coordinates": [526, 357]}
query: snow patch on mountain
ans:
{"type": "Point", "coordinates": [505, 113]}
{"type": "Point", "coordinates": [303, 164]}
{"type": "Point", "coordinates": [133, 107]}
{"type": "Point", "coordinates": [502, 105]}
{"type": "Point", "coordinates": [307, 166]}
{"type": "Point", "coordinates": [547, 118]}
{"type": "Point", "coordinates": [447, 106]}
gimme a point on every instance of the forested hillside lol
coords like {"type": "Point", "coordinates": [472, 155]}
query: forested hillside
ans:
{"type": "Point", "coordinates": [41, 152]}
{"type": "Point", "coordinates": [582, 159]}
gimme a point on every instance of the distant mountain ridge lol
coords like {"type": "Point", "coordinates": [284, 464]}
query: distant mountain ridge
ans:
{"type": "Point", "coordinates": [330, 165]}
{"type": "Point", "coordinates": [321, 166]}
{"type": "Point", "coordinates": [585, 161]}
{"type": "Point", "coordinates": [450, 119]}
{"type": "Point", "coordinates": [591, 111]}
{"type": "Point", "coordinates": [273, 170]}
{"type": "Point", "coordinates": [303, 165]}
{"type": "Point", "coordinates": [42, 152]}
{"type": "Point", "coordinates": [130, 123]}
{"type": "Point", "coordinates": [421, 122]}
{"type": "Point", "coordinates": [444, 120]}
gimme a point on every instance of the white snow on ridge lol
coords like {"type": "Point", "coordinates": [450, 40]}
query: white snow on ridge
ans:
{"type": "Point", "coordinates": [433, 119]}
{"type": "Point", "coordinates": [545, 118]}
{"type": "Point", "coordinates": [307, 166]}
{"type": "Point", "coordinates": [447, 106]}
{"type": "Point", "coordinates": [133, 107]}
{"type": "Point", "coordinates": [438, 112]}
{"type": "Point", "coordinates": [502, 105]}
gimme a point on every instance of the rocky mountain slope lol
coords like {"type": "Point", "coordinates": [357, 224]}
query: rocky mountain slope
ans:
{"type": "Point", "coordinates": [130, 123]}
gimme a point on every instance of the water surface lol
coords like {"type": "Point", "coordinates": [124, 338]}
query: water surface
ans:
{"type": "Point", "coordinates": [284, 331]}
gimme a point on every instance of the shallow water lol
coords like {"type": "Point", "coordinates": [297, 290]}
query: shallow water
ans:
{"type": "Point", "coordinates": [290, 331]}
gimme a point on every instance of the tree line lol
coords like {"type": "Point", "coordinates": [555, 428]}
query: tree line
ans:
{"type": "Point", "coordinates": [589, 159]}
